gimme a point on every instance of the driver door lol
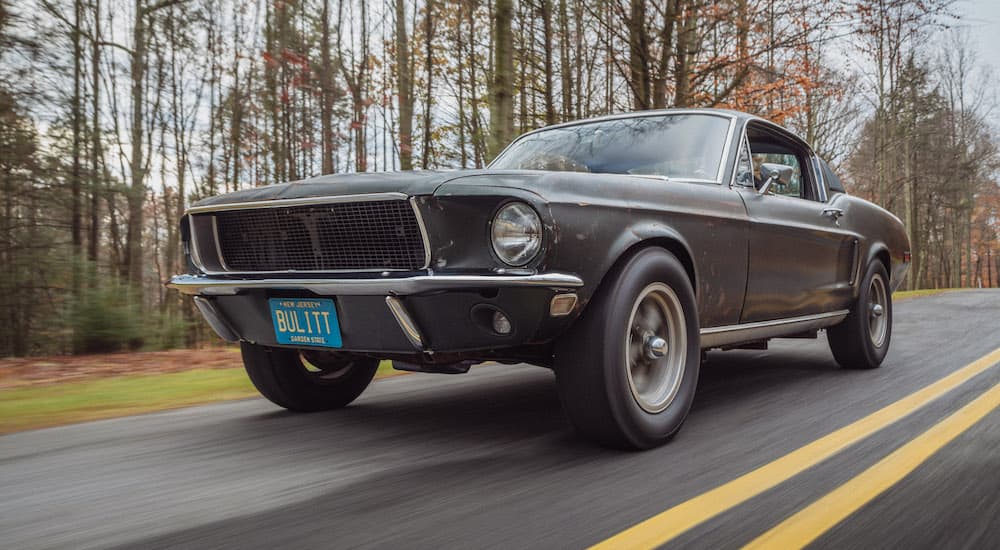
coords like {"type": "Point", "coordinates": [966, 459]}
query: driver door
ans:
{"type": "Point", "coordinates": [799, 256]}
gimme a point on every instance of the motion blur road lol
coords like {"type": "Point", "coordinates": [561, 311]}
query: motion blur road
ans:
{"type": "Point", "coordinates": [487, 460]}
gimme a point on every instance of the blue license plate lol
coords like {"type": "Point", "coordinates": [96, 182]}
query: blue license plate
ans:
{"type": "Point", "coordinates": [305, 322]}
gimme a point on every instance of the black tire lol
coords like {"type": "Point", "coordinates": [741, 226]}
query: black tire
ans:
{"type": "Point", "coordinates": [594, 362]}
{"type": "Point", "coordinates": [862, 339]}
{"type": "Point", "coordinates": [330, 381]}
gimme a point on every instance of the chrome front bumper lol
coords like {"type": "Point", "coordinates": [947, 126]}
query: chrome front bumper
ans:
{"type": "Point", "coordinates": [201, 285]}
{"type": "Point", "coordinates": [429, 313]}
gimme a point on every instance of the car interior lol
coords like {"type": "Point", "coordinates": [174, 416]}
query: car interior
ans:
{"type": "Point", "coordinates": [767, 146]}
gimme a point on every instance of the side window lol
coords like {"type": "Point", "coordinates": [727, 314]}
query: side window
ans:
{"type": "Point", "coordinates": [770, 146]}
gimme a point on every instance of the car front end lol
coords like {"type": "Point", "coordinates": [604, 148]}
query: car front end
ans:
{"type": "Point", "coordinates": [425, 278]}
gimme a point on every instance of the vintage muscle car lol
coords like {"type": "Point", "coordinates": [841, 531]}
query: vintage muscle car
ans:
{"type": "Point", "coordinates": [613, 250]}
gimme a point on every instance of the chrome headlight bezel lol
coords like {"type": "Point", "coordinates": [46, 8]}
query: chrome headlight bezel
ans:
{"type": "Point", "coordinates": [516, 234]}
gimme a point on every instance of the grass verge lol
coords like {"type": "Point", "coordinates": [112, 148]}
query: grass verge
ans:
{"type": "Point", "coordinates": [905, 294]}
{"type": "Point", "coordinates": [46, 405]}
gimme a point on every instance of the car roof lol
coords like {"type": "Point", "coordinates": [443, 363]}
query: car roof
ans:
{"type": "Point", "coordinates": [651, 112]}
{"type": "Point", "coordinates": [739, 116]}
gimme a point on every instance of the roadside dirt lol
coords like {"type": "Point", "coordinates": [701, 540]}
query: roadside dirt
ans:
{"type": "Point", "coordinates": [32, 371]}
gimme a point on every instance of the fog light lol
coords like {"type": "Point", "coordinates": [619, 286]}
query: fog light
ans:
{"type": "Point", "coordinates": [562, 305]}
{"type": "Point", "coordinates": [501, 324]}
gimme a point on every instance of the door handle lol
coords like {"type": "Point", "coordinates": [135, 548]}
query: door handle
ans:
{"type": "Point", "coordinates": [835, 213]}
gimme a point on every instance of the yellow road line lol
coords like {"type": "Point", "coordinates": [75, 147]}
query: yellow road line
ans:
{"type": "Point", "coordinates": [809, 523]}
{"type": "Point", "coordinates": [667, 525]}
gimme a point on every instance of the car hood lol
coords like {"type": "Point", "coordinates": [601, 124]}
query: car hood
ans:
{"type": "Point", "coordinates": [424, 182]}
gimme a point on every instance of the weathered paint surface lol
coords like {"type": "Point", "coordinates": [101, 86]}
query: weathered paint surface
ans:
{"type": "Point", "coordinates": [752, 257]}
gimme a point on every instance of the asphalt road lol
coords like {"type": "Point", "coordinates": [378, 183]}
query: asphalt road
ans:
{"type": "Point", "coordinates": [486, 459]}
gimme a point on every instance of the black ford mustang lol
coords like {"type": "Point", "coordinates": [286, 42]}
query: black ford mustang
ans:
{"type": "Point", "coordinates": [613, 250]}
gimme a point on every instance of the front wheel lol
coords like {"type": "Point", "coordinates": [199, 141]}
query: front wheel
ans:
{"type": "Point", "coordinates": [627, 371]}
{"type": "Point", "coordinates": [862, 339]}
{"type": "Point", "coordinates": [307, 381]}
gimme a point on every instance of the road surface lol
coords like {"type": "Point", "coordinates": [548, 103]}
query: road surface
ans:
{"type": "Point", "coordinates": [486, 459]}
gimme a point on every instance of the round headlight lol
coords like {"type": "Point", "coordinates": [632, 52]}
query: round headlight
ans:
{"type": "Point", "coordinates": [517, 234]}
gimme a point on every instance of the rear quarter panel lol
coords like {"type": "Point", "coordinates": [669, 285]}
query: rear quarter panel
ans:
{"type": "Point", "coordinates": [881, 233]}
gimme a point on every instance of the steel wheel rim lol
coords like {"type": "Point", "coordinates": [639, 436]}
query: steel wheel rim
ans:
{"type": "Point", "coordinates": [878, 310]}
{"type": "Point", "coordinates": [324, 367]}
{"type": "Point", "coordinates": [656, 347]}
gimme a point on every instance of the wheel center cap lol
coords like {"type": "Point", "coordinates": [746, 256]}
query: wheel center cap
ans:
{"type": "Point", "coordinates": [877, 310]}
{"type": "Point", "coordinates": [656, 347]}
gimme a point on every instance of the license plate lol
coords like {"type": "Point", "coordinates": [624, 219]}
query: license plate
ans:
{"type": "Point", "coordinates": [306, 322]}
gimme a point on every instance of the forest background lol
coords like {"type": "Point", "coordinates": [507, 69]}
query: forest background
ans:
{"type": "Point", "coordinates": [116, 114]}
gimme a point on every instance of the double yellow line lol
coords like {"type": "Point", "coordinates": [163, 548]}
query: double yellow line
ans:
{"type": "Point", "coordinates": [815, 519]}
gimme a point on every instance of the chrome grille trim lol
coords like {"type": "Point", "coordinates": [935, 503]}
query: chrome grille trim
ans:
{"type": "Point", "coordinates": [218, 245]}
{"type": "Point", "coordinates": [217, 257]}
{"type": "Point", "coordinates": [280, 203]}
{"type": "Point", "coordinates": [423, 232]}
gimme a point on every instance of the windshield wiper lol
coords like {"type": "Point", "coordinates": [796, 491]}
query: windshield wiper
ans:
{"type": "Point", "coordinates": [653, 177]}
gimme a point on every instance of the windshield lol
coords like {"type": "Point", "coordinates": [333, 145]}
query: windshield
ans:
{"type": "Point", "coordinates": [682, 146]}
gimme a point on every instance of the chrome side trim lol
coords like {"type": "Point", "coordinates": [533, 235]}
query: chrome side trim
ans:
{"type": "Point", "coordinates": [279, 203]}
{"type": "Point", "coordinates": [211, 286]}
{"type": "Point", "coordinates": [820, 178]}
{"type": "Point", "coordinates": [744, 141]}
{"type": "Point", "coordinates": [724, 161]}
{"type": "Point", "coordinates": [406, 323]}
{"type": "Point", "coordinates": [748, 332]}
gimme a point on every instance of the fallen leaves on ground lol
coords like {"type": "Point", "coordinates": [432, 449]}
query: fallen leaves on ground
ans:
{"type": "Point", "coordinates": [16, 372]}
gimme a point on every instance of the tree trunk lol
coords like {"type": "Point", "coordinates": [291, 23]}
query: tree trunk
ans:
{"type": "Point", "coordinates": [137, 167]}
{"type": "Point", "coordinates": [460, 69]}
{"type": "Point", "coordinates": [501, 115]}
{"type": "Point", "coordinates": [404, 76]}
{"type": "Point", "coordinates": [95, 135]}
{"type": "Point", "coordinates": [989, 268]}
{"type": "Point", "coordinates": [76, 108]}
{"type": "Point", "coordinates": [638, 54]}
{"type": "Point", "coordinates": [666, 43]}
{"type": "Point", "coordinates": [327, 95]}
{"type": "Point", "coordinates": [475, 126]}
{"type": "Point", "coordinates": [682, 62]}
{"type": "Point", "coordinates": [425, 153]}
{"type": "Point", "coordinates": [550, 107]}
{"type": "Point", "coordinates": [236, 122]}
{"type": "Point", "coordinates": [272, 95]}
{"type": "Point", "coordinates": [908, 209]}
{"type": "Point", "coordinates": [565, 71]}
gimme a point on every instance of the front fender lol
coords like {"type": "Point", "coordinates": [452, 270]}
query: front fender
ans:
{"type": "Point", "coordinates": [655, 234]}
{"type": "Point", "coordinates": [592, 220]}
{"type": "Point", "coordinates": [458, 216]}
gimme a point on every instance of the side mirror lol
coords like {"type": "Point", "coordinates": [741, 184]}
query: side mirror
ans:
{"type": "Point", "coordinates": [774, 173]}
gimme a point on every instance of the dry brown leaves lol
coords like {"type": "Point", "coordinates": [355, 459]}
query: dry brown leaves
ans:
{"type": "Point", "coordinates": [31, 371]}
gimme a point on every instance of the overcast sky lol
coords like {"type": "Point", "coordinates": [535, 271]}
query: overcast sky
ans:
{"type": "Point", "coordinates": [982, 19]}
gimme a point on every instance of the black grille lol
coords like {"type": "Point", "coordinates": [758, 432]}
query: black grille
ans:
{"type": "Point", "coordinates": [327, 237]}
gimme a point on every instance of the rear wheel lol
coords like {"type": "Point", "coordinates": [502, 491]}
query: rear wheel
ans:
{"type": "Point", "coordinates": [862, 339]}
{"type": "Point", "coordinates": [307, 381]}
{"type": "Point", "coordinates": [627, 371]}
